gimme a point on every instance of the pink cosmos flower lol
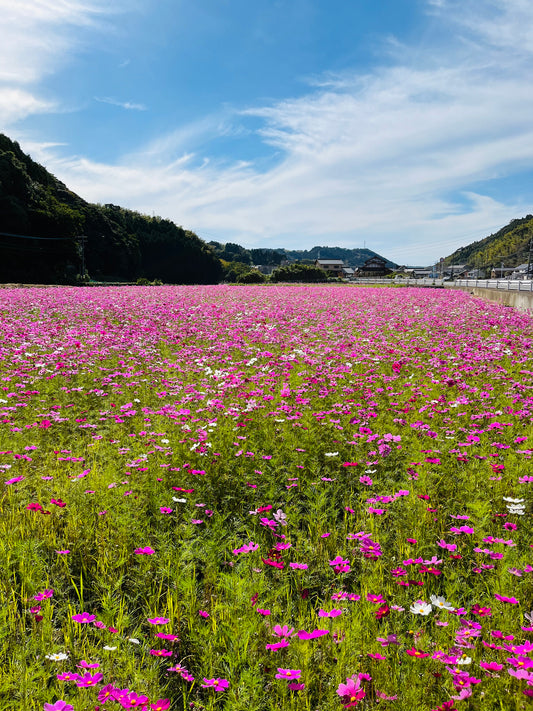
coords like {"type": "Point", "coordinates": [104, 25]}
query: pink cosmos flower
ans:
{"type": "Point", "coordinates": [144, 551]}
{"type": "Point", "coordinates": [203, 613]}
{"type": "Point", "coordinates": [59, 706]}
{"type": "Point", "coordinates": [168, 637]}
{"type": "Point", "coordinates": [331, 613]}
{"type": "Point", "coordinates": [160, 653]}
{"type": "Point", "coordinates": [351, 692]}
{"type": "Point", "coordinates": [216, 684]}
{"type": "Point", "coordinates": [83, 618]}
{"type": "Point", "coordinates": [132, 700]}
{"type": "Point", "coordinates": [302, 634]}
{"type": "Point", "coordinates": [502, 598]}
{"type": "Point", "coordinates": [68, 676]}
{"type": "Point", "coordinates": [43, 595]}
{"type": "Point", "coordinates": [85, 665]}
{"type": "Point", "coordinates": [158, 620]}
{"type": "Point", "coordinates": [491, 666]}
{"type": "Point", "coordinates": [160, 705]}
{"type": "Point", "coordinates": [277, 645]}
{"type": "Point", "coordinates": [461, 529]}
{"type": "Point", "coordinates": [106, 693]}
{"type": "Point", "coordinates": [89, 679]}
{"type": "Point", "coordinates": [288, 674]}
{"type": "Point", "coordinates": [15, 480]}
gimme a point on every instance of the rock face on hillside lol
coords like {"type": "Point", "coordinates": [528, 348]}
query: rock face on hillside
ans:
{"type": "Point", "coordinates": [42, 221]}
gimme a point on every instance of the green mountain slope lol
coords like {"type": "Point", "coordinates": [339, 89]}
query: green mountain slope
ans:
{"type": "Point", "coordinates": [41, 220]}
{"type": "Point", "coordinates": [509, 245]}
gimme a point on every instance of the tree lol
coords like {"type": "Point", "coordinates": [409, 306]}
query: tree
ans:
{"type": "Point", "coordinates": [298, 272]}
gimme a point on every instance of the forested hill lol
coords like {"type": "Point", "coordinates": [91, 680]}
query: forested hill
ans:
{"type": "Point", "coordinates": [509, 245]}
{"type": "Point", "coordinates": [232, 252]}
{"type": "Point", "coordinates": [41, 221]}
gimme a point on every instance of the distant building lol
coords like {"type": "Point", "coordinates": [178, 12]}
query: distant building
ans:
{"type": "Point", "coordinates": [520, 272]}
{"type": "Point", "coordinates": [333, 267]}
{"type": "Point", "coordinates": [348, 272]}
{"type": "Point", "coordinates": [501, 272]}
{"type": "Point", "coordinates": [455, 271]}
{"type": "Point", "coordinates": [373, 267]}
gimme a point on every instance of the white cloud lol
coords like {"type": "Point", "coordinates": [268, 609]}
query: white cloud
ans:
{"type": "Point", "coordinates": [128, 105]}
{"type": "Point", "coordinates": [16, 104]}
{"type": "Point", "coordinates": [36, 38]}
{"type": "Point", "coordinates": [386, 157]}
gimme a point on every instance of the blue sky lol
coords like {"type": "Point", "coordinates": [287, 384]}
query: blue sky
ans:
{"type": "Point", "coordinates": [403, 124]}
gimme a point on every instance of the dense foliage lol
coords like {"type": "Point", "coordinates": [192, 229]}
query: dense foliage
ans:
{"type": "Point", "coordinates": [44, 220]}
{"type": "Point", "coordinates": [262, 498]}
{"type": "Point", "coordinates": [299, 272]}
{"type": "Point", "coordinates": [510, 245]}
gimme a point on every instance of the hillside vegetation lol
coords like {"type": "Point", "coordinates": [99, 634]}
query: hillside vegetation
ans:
{"type": "Point", "coordinates": [509, 245]}
{"type": "Point", "coordinates": [41, 221]}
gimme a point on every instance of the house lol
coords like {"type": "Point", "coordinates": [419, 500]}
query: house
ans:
{"type": "Point", "coordinates": [348, 272]}
{"type": "Point", "coordinates": [521, 271]}
{"type": "Point", "coordinates": [373, 267]}
{"type": "Point", "coordinates": [456, 271]}
{"type": "Point", "coordinates": [501, 272]}
{"type": "Point", "coordinates": [333, 267]}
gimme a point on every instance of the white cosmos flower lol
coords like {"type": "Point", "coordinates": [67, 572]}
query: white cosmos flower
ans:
{"type": "Point", "coordinates": [464, 660]}
{"type": "Point", "coordinates": [179, 501]}
{"type": "Point", "coordinates": [57, 657]}
{"type": "Point", "coordinates": [110, 649]}
{"type": "Point", "coordinates": [513, 501]}
{"type": "Point", "coordinates": [420, 608]}
{"type": "Point", "coordinates": [441, 603]}
{"type": "Point", "coordinates": [133, 640]}
{"type": "Point", "coordinates": [331, 454]}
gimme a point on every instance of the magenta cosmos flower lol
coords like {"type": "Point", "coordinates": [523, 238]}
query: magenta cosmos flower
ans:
{"type": "Point", "coordinates": [351, 692]}
{"type": "Point", "coordinates": [59, 706]}
{"type": "Point", "coordinates": [216, 684]}
{"type": "Point", "coordinates": [158, 620]}
{"type": "Point", "coordinates": [83, 618]}
{"type": "Point", "coordinates": [43, 595]}
{"type": "Point", "coordinates": [302, 634]}
{"type": "Point", "coordinates": [288, 674]}
{"type": "Point", "coordinates": [144, 551]}
{"type": "Point", "coordinates": [89, 679]}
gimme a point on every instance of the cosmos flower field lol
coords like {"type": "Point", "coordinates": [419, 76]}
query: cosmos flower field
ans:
{"type": "Point", "coordinates": [264, 497]}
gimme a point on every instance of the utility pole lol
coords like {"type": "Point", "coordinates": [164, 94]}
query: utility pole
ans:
{"type": "Point", "coordinates": [82, 240]}
{"type": "Point", "coordinates": [529, 258]}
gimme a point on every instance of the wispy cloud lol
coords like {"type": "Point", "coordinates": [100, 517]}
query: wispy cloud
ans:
{"type": "Point", "coordinates": [387, 157]}
{"type": "Point", "coordinates": [37, 37]}
{"type": "Point", "coordinates": [128, 105]}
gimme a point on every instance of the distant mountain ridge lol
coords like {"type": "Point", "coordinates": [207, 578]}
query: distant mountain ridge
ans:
{"type": "Point", "coordinates": [233, 252]}
{"type": "Point", "coordinates": [351, 257]}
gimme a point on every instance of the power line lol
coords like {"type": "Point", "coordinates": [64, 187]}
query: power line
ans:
{"type": "Point", "coordinates": [53, 239]}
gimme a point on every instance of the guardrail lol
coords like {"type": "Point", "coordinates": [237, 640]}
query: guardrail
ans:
{"type": "Point", "coordinates": [506, 284]}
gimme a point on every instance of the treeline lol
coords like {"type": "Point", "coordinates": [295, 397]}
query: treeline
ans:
{"type": "Point", "coordinates": [41, 222]}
